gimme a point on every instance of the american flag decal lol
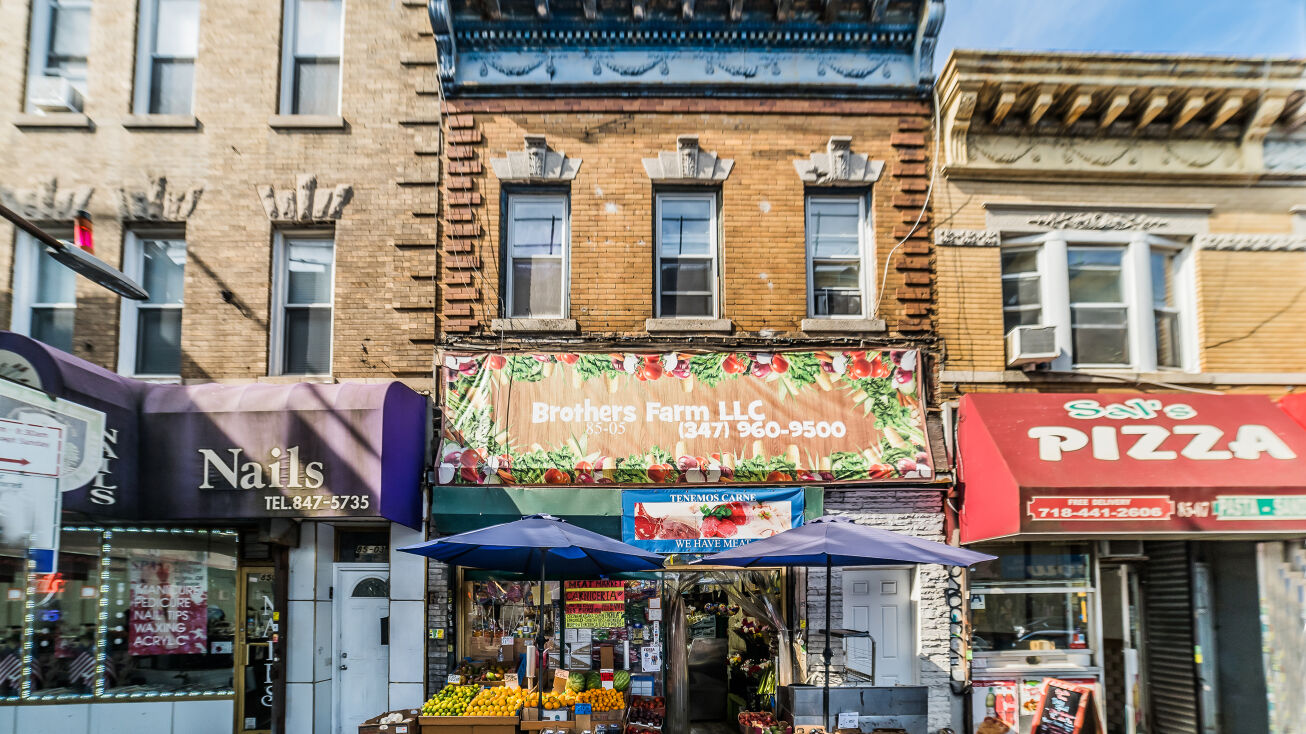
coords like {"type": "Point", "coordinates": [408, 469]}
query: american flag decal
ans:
{"type": "Point", "coordinates": [11, 667]}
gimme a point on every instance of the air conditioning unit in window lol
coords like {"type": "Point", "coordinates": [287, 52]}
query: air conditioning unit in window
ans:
{"type": "Point", "coordinates": [1031, 345]}
{"type": "Point", "coordinates": [54, 94]}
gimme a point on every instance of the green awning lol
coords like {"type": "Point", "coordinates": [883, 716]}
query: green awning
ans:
{"type": "Point", "coordinates": [459, 508]}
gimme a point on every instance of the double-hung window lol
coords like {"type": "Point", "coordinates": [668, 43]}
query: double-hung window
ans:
{"type": "Point", "coordinates": [304, 288]}
{"type": "Point", "coordinates": [1117, 300]}
{"type": "Point", "coordinates": [836, 256]}
{"type": "Point", "coordinates": [687, 256]}
{"type": "Point", "coordinates": [310, 74]}
{"type": "Point", "coordinates": [537, 256]}
{"type": "Point", "coordinates": [45, 293]}
{"type": "Point", "coordinates": [150, 335]}
{"type": "Point", "coordinates": [165, 56]}
{"type": "Point", "coordinates": [60, 39]}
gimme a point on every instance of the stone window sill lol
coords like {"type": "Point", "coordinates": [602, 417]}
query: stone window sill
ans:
{"type": "Point", "coordinates": [535, 326]}
{"type": "Point", "coordinates": [688, 326]}
{"type": "Point", "coordinates": [53, 121]}
{"type": "Point", "coordinates": [161, 122]}
{"type": "Point", "coordinates": [292, 379]}
{"type": "Point", "coordinates": [843, 326]}
{"type": "Point", "coordinates": [306, 122]}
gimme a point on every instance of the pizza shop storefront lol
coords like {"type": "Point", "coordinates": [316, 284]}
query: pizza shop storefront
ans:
{"type": "Point", "coordinates": [1141, 543]}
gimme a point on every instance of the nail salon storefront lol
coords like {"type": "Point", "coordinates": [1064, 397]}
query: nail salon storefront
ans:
{"type": "Point", "coordinates": [1146, 547]}
{"type": "Point", "coordinates": [230, 568]}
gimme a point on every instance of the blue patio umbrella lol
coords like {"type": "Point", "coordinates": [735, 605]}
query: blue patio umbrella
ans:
{"type": "Point", "coordinates": [837, 541]}
{"type": "Point", "coordinates": [543, 546]}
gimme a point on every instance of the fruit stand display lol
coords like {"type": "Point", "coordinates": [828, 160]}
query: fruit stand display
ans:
{"type": "Point", "coordinates": [762, 722]}
{"type": "Point", "coordinates": [471, 709]}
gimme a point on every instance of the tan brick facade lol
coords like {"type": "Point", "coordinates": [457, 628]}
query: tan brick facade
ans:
{"type": "Point", "coordinates": [383, 322]}
{"type": "Point", "coordinates": [764, 280]}
{"type": "Point", "coordinates": [1211, 171]}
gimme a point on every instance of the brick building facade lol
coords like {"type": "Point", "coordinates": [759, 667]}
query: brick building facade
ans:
{"type": "Point", "coordinates": [1129, 226]}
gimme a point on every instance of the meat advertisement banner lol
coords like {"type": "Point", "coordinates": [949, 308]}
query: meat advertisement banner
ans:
{"type": "Point", "coordinates": [706, 521]}
{"type": "Point", "coordinates": [594, 604]}
{"type": "Point", "coordinates": [682, 418]}
{"type": "Point", "coordinates": [169, 607]}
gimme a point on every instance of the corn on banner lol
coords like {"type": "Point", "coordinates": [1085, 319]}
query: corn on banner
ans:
{"type": "Point", "coordinates": [622, 418]}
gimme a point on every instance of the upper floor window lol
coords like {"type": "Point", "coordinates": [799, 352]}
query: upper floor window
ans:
{"type": "Point", "coordinates": [836, 253]}
{"type": "Point", "coordinates": [1119, 301]}
{"type": "Point", "coordinates": [686, 255]}
{"type": "Point", "coordinates": [165, 56]}
{"type": "Point", "coordinates": [56, 63]}
{"type": "Point", "coordinates": [45, 293]}
{"type": "Point", "coordinates": [538, 264]}
{"type": "Point", "coordinates": [303, 290]}
{"type": "Point", "coordinates": [310, 74]}
{"type": "Point", "coordinates": [150, 333]}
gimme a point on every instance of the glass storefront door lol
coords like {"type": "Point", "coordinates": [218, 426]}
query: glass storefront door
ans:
{"type": "Point", "coordinates": [256, 658]}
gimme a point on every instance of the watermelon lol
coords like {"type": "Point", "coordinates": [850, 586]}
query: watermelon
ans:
{"type": "Point", "coordinates": [593, 681]}
{"type": "Point", "coordinates": [576, 682]}
{"type": "Point", "coordinates": [621, 680]}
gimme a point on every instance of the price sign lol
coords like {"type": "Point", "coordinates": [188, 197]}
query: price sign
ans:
{"type": "Point", "coordinates": [455, 680]}
{"type": "Point", "coordinates": [1066, 708]}
{"type": "Point", "coordinates": [505, 641]}
{"type": "Point", "coordinates": [510, 680]}
{"type": "Point", "coordinates": [583, 709]}
{"type": "Point", "coordinates": [848, 720]}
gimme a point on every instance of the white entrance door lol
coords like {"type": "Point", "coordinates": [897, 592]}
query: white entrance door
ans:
{"type": "Point", "coordinates": [362, 662]}
{"type": "Point", "coordinates": [878, 601]}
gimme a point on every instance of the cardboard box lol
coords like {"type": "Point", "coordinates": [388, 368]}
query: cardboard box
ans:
{"type": "Point", "coordinates": [407, 725]}
{"type": "Point", "coordinates": [579, 724]}
{"type": "Point", "coordinates": [469, 724]}
{"type": "Point", "coordinates": [606, 657]}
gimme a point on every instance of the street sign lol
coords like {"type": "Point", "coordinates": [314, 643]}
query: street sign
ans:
{"type": "Point", "coordinates": [30, 448]}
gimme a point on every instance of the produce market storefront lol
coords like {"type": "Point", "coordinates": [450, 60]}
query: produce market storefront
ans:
{"type": "Point", "coordinates": [685, 454]}
{"type": "Point", "coordinates": [1142, 543]}
{"type": "Point", "coordinates": [234, 546]}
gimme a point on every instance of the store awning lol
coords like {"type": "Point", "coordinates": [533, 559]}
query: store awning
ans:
{"type": "Point", "coordinates": [1129, 465]}
{"type": "Point", "coordinates": [300, 450]}
{"type": "Point", "coordinates": [457, 509]}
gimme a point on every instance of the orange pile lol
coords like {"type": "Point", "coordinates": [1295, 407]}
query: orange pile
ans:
{"type": "Point", "coordinates": [498, 701]}
{"type": "Point", "coordinates": [603, 699]}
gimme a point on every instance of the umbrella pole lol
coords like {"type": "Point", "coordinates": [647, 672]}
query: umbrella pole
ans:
{"type": "Point", "coordinates": [542, 658]}
{"type": "Point", "coordinates": [825, 693]}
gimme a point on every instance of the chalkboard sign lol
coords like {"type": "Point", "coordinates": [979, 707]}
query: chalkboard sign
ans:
{"type": "Point", "coordinates": [1066, 708]}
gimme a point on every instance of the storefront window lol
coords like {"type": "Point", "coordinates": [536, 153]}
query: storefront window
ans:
{"type": "Point", "coordinates": [1036, 597]}
{"type": "Point", "coordinates": [171, 612]}
{"type": "Point", "coordinates": [13, 594]}
{"type": "Point", "coordinates": [65, 610]}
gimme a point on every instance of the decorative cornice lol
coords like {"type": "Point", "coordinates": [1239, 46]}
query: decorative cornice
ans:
{"type": "Point", "coordinates": [838, 165]}
{"type": "Point", "coordinates": [306, 202]}
{"type": "Point", "coordinates": [1096, 220]}
{"type": "Point", "coordinates": [1252, 242]}
{"type": "Point", "coordinates": [1285, 155]}
{"type": "Point", "coordinates": [156, 204]}
{"type": "Point", "coordinates": [688, 164]}
{"type": "Point", "coordinates": [967, 237]}
{"type": "Point", "coordinates": [47, 202]}
{"type": "Point", "coordinates": [536, 163]}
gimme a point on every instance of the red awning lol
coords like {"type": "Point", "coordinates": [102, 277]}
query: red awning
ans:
{"type": "Point", "coordinates": [1295, 405]}
{"type": "Point", "coordinates": [1130, 465]}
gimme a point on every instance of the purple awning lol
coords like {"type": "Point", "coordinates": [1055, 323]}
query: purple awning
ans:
{"type": "Point", "coordinates": [223, 452]}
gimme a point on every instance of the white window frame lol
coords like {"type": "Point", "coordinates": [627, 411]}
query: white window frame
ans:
{"type": "Point", "coordinates": [863, 252]}
{"type": "Point", "coordinates": [714, 258]}
{"type": "Point", "coordinates": [145, 55]}
{"type": "Point", "coordinates": [290, 20]}
{"type": "Point", "coordinates": [1137, 293]}
{"type": "Point", "coordinates": [38, 47]}
{"type": "Point", "coordinates": [514, 198]}
{"type": "Point", "coordinates": [133, 261]}
{"type": "Point", "coordinates": [27, 253]}
{"type": "Point", "coordinates": [277, 322]}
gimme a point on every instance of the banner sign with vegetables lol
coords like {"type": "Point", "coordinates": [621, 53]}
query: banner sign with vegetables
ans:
{"type": "Point", "coordinates": [679, 417]}
{"type": "Point", "coordinates": [708, 520]}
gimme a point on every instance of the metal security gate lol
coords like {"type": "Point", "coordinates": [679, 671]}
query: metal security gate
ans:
{"type": "Point", "coordinates": [1168, 638]}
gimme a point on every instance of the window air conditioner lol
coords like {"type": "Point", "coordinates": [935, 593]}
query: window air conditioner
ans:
{"type": "Point", "coordinates": [1122, 549]}
{"type": "Point", "coordinates": [1030, 345]}
{"type": "Point", "coordinates": [54, 94]}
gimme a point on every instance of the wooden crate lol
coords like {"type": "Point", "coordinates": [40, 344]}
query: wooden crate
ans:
{"type": "Point", "coordinates": [408, 725]}
{"type": "Point", "coordinates": [469, 724]}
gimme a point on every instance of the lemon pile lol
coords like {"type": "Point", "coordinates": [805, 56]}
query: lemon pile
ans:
{"type": "Point", "coordinates": [450, 701]}
{"type": "Point", "coordinates": [498, 701]}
